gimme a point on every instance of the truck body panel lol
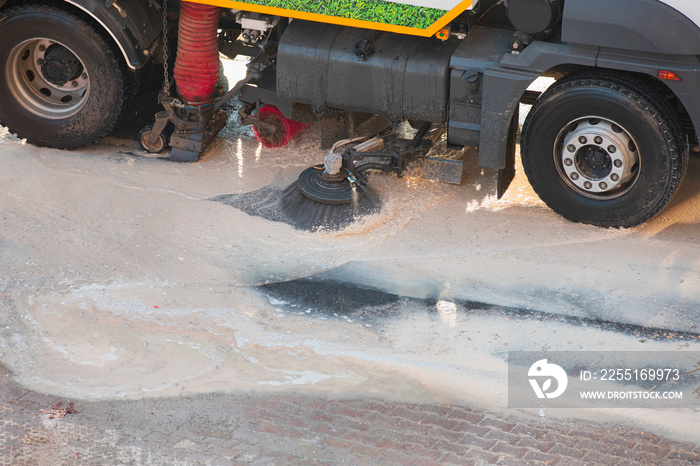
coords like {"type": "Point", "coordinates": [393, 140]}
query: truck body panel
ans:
{"type": "Point", "coordinates": [416, 17]}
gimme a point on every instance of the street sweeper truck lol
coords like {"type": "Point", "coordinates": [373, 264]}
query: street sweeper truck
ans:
{"type": "Point", "coordinates": [606, 144]}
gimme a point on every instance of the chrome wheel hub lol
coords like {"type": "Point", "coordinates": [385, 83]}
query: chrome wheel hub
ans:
{"type": "Point", "coordinates": [47, 79]}
{"type": "Point", "coordinates": [597, 158]}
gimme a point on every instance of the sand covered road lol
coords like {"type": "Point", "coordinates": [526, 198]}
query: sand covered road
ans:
{"type": "Point", "coordinates": [123, 277]}
{"type": "Point", "coordinates": [109, 211]}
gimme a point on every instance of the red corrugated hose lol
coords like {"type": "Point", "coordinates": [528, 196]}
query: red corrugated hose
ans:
{"type": "Point", "coordinates": [197, 63]}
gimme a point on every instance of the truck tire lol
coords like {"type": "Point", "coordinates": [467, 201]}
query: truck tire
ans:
{"type": "Point", "coordinates": [604, 149]}
{"type": "Point", "coordinates": [60, 84]}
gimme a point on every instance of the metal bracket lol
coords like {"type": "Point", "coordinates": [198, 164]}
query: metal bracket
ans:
{"type": "Point", "coordinates": [396, 154]}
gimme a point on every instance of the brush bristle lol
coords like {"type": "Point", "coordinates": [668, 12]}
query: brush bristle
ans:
{"type": "Point", "coordinates": [306, 214]}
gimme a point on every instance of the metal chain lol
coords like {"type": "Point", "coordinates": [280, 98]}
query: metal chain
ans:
{"type": "Point", "coordinates": [166, 78]}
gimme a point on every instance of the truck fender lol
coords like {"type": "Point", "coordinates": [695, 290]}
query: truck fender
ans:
{"type": "Point", "coordinates": [505, 84]}
{"type": "Point", "coordinates": [134, 25]}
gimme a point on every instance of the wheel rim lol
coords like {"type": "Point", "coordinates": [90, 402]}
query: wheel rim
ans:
{"type": "Point", "coordinates": [47, 79]}
{"type": "Point", "coordinates": [597, 158]}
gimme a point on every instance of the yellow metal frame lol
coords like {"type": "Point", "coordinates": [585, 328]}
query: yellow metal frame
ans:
{"type": "Point", "coordinates": [431, 31]}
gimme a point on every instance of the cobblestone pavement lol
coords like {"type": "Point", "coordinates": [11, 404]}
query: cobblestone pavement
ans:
{"type": "Point", "coordinates": [301, 429]}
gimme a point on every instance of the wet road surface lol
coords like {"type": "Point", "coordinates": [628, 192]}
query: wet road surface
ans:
{"type": "Point", "coordinates": [122, 279]}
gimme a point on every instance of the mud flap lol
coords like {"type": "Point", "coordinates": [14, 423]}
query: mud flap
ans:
{"type": "Point", "coordinates": [506, 174]}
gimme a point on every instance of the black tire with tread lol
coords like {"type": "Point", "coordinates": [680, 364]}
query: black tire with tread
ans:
{"type": "Point", "coordinates": [106, 73]}
{"type": "Point", "coordinates": [632, 104]}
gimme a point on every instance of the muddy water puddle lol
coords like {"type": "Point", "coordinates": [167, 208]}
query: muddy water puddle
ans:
{"type": "Point", "coordinates": [131, 340]}
{"type": "Point", "coordinates": [135, 340]}
{"type": "Point", "coordinates": [120, 277]}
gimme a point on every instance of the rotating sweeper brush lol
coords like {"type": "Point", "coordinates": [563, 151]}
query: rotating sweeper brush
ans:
{"type": "Point", "coordinates": [332, 195]}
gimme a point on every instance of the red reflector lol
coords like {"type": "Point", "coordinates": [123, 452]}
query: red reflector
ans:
{"type": "Point", "coordinates": [668, 75]}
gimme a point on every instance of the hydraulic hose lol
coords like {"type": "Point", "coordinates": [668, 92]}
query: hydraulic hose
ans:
{"type": "Point", "coordinates": [197, 64]}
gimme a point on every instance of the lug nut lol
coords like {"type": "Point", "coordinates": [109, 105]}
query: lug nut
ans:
{"type": "Point", "coordinates": [598, 140]}
{"type": "Point", "coordinates": [618, 163]}
{"type": "Point", "coordinates": [568, 162]}
{"type": "Point", "coordinates": [587, 185]}
{"type": "Point", "coordinates": [603, 185]}
{"type": "Point", "coordinates": [574, 176]}
{"type": "Point", "coordinates": [615, 177]}
{"type": "Point", "coordinates": [612, 149]}
{"type": "Point", "coordinates": [571, 148]}
{"type": "Point", "coordinates": [583, 140]}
